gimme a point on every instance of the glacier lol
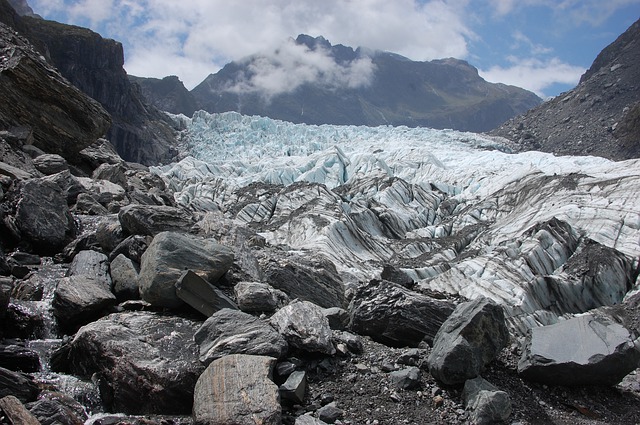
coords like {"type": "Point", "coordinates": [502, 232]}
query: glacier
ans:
{"type": "Point", "coordinates": [546, 236]}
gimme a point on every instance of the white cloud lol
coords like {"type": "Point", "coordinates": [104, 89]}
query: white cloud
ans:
{"type": "Point", "coordinates": [534, 74]}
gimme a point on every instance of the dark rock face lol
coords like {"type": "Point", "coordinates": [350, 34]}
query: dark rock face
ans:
{"type": "Point", "coordinates": [468, 340]}
{"type": "Point", "coordinates": [598, 117]}
{"type": "Point", "coordinates": [167, 94]}
{"type": "Point", "coordinates": [392, 314]}
{"type": "Point", "coordinates": [146, 363]}
{"type": "Point", "coordinates": [401, 92]}
{"type": "Point", "coordinates": [586, 350]}
{"type": "Point", "coordinates": [153, 219]}
{"type": "Point", "coordinates": [18, 384]}
{"type": "Point", "coordinates": [62, 118]}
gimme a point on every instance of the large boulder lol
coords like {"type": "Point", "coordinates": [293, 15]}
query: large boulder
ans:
{"type": "Point", "coordinates": [18, 384]}
{"type": "Point", "coordinates": [49, 164]}
{"type": "Point", "coordinates": [153, 219]}
{"type": "Point", "coordinates": [234, 332]}
{"type": "Point", "coordinates": [124, 275]}
{"type": "Point", "coordinates": [255, 297]}
{"type": "Point", "coordinates": [592, 349]}
{"type": "Point", "coordinates": [201, 295]}
{"type": "Point", "coordinates": [79, 299]}
{"type": "Point", "coordinates": [394, 315]}
{"type": "Point", "coordinates": [304, 327]}
{"type": "Point", "coordinates": [91, 264]}
{"type": "Point", "coordinates": [468, 340]}
{"type": "Point", "coordinates": [485, 402]}
{"type": "Point", "coordinates": [168, 255]}
{"type": "Point", "coordinates": [144, 362]}
{"type": "Point", "coordinates": [238, 389]}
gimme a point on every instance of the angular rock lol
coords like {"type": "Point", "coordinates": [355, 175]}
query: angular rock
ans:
{"type": "Point", "coordinates": [68, 183]}
{"type": "Point", "coordinates": [304, 326]}
{"type": "Point", "coordinates": [487, 404]}
{"type": "Point", "coordinates": [153, 219]}
{"type": "Point", "coordinates": [592, 349]}
{"type": "Point", "coordinates": [100, 152]}
{"type": "Point", "coordinates": [88, 204]}
{"type": "Point", "coordinates": [396, 316]}
{"type": "Point", "coordinates": [338, 318]}
{"type": "Point", "coordinates": [468, 340]}
{"type": "Point", "coordinates": [295, 387]}
{"type": "Point", "coordinates": [255, 297]}
{"type": "Point", "coordinates": [115, 173]}
{"type": "Point", "coordinates": [132, 247]}
{"type": "Point", "coordinates": [307, 419]}
{"type": "Point", "coordinates": [16, 412]}
{"type": "Point", "coordinates": [14, 172]}
{"type": "Point", "coordinates": [352, 342]}
{"type": "Point", "coordinates": [406, 379]}
{"type": "Point", "coordinates": [168, 255]}
{"type": "Point", "coordinates": [330, 413]}
{"type": "Point", "coordinates": [6, 286]}
{"type": "Point", "coordinates": [91, 264]}
{"type": "Point", "coordinates": [103, 191]}
{"type": "Point", "coordinates": [57, 409]}
{"type": "Point", "coordinates": [109, 233]}
{"type": "Point", "coordinates": [79, 299]}
{"type": "Point", "coordinates": [145, 362]}
{"type": "Point", "coordinates": [17, 384]}
{"type": "Point", "coordinates": [15, 356]}
{"type": "Point", "coordinates": [124, 276]}
{"type": "Point", "coordinates": [201, 295]}
{"type": "Point", "coordinates": [237, 389]}
{"type": "Point", "coordinates": [49, 164]}
{"type": "Point", "coordinates": [234, 332]}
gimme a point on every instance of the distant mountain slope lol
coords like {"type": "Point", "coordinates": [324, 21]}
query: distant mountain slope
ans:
{"type": "Point", "coordinates": [373, 88]}
{"type": "Point", "coordinates": [601, 116]}
{"type": "Point", "coordinates": [167, 94]}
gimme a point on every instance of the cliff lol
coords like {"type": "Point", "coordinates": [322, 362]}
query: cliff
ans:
{"type": "Point", "coordinates": [167, 94]}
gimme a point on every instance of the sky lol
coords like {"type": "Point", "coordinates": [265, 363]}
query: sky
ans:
{"type": "Point", "coordinates": [541, 45]}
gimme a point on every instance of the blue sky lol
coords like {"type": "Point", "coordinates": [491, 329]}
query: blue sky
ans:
{"type": "Point", "coordinates": [541, 45]}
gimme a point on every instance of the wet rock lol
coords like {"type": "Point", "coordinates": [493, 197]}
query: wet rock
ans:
{"type": "Point", "coordinates": [406, 379]}
{"type": "Point", "coordinates": [16, 412]}
{"type": "Point", "coordinates": [153, 219]}
{"type": "Point", "coordinates": [201, 295]}
{"type": "Point", "coordinates": [93, 265]}
{"type": "Point", "coordinates": [487, 404]}
{"type": "Point", "coordinates": [14, 355]}
{"type": "Point", "coordinates": [168, 255]}
{"type": "Point", "coordinates": [124, 276]}
{"type": "Point", "coordinates": [57, 409]}
{"type": "Point", "coordinates": [6, 286]}
{"type": "Point", "coordinates": [592, 349]}
{"type": "Point", "coordinates": [17, 384]}
{"type": "Point", "coordinates": [468, 340]}
{"type": "Point", "coordinates": [304, 326]}
{"type": "Point", "coordinates": [237, 389]}
{"type": "Point", "coordinates": [394, 315]}
{"type": "Point", "coordinates": [79, 299]}
{"type": "Point", "coordinates": [23, 323]}
{"type": "Point", "coordinates": [295, 387]}
{"type": "Point", "coordinates": [49, 164]}
{"type": "Point", "coordinates": [144, 362]}
{"type": "Point", "coordinates": [255, 297]}
{"type": "Point", "coordinates": [338, 318]}
{"type": "Point", "coordinates": [234, 332]}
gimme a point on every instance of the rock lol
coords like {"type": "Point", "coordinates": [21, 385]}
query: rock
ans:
{"type": "Point", "coordinates": [22, 323]}
{"type": "Point", "coordinates": [109, 233]}
{"type": "Point", "coordinates": [49, 164]}
{"type": "Point", "coordinates": [468, 340]}
{"type": "Point", "coordinates": [330, 413]}
{"type": "Point", "coordinates": [168, 255]}
{"type": "Point", "coordinates": [411, 357]}
{"type": "Point", "coordinates": [91, 264]}
{"type": "Point", "coordinates": [295, 387]}
{"type": "Point", "coordinates": [395, 275]}
{"type": "Point", "coordinates": [14, 355]}
{"type": "Point", "coordinates": [115, 173]}
{"type": "Point", "coordinates": [79, 299]}
{"type": "Point", "coordinates": [352, 342]}
{"type": "Point", "coordinates": [16, 412]}
{"type": "Point", "coordinates": [88, 204]}
{"type": "Point", "coordinates": [153, 219]}
{"type": "Point", "coordinates": [201, 295]}
{"type": "Point", "coordinates": [42, 216]}
{"type": "Point", "coordinates": [17, 384]}
{"type": "Point", "coordinates": [396, 316]}
{"type": "Point", "coordinates": [234, 332]}
{"type": "Point", "coordinates": [592, 349]}
{"type": "Point", "coordinates": [124, 275]}
{"type": "Point", "coordinates": [338, 318]}
{"type": "Point", "coordinates": [103, 191]}
{"type": "Point", "coordinates": [68, 183]}
{"type": "Point", "coordinates": [100, 152]}
{"type": "Point", "coordinates": [406, 379]}
{"type": "Point", "coordinates": [57, 409]}
{"type": "Point", "coordinates": [304, 326]}
{"type": "Point", "coordinates": [488, 405]}
{"type": "Point", "coordinates": [6, 286]}
{"type": "Point", "coordinates": [144, 362]}
{"type": "Point", "coordinates": [237, 389]}
{"type": "Point", "coordinates": [255, 297]}
{"type": "Point", "coordinates": [14, 173]}
{"type": "Point", "coordinates": [63, 119]}
{"type": "Point", "coordinates": [307, 419]}
{"type": "Point", "coordinates": [132, 247]}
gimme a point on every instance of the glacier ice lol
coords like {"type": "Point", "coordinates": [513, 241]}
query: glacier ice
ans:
{"type": "Point", "coordinates": [457, 212]}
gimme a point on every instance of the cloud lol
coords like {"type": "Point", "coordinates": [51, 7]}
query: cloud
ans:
{"type": "Point", "coordinates": [534, 74]}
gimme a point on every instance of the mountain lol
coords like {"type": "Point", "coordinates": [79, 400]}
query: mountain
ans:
{"type": "Point", "coordinates": [600, 116]}
{"type": "Point", "coordinates": [311, 81]}
{"type": "Point", "coordinates": [167, 94]}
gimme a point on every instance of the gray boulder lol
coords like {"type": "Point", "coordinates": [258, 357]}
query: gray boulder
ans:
{"type": "Point", "coordinates": [53, 408]}
{"type": "Point", "coordinates": [145, 362]}
{"type": "Point", "coordinates": [201, 295]}
{"type": "Point", "coordinates": [295, 387]}
{"type": "Point", "coordinates": [486, 403]}
{"type": "Point", "coordinates": [592, 349]}
{"type": "Point", "coordinates": [468, 340]}
{"type": "Point", "coordinates": [234, 332]}
{"type": "Point", "coordinates": [91, 264]}
{"type": "Point", "coordinates": [394, 315]}
{"type": "Point", "coordinates": [255, 297]}
{"type": "Point", "coordinates": [68, 183]}
{"type": "Point", "coordinates": [49, 164]}
{"type": "Point", "coordinates": [109, 232]}
{"type": "Point", "coordinates": [153, 219]}
{"type": "Point", "coordinates": [406, 379]}
{"type": "Point", "coordinates": [237, 389]}
{"type": "Point", "coordinates": [307, 419]}
{"type": "Point", "coordinates": [6, 286]}
{"type": "Point", "coordinates": [15, 412]}
{"type": "Point", "coordinates": [103, 191]}
{"type": "Point", "coordinates": [115, 173]}
{"type": "Point", "coordinates": [79, 299]}
{"type": "Point", "coordinates": [124, 276]}
{"type": "Point", "coordinates": [304, 326]}
{"type": "Point", "coordinates": [168, 255]}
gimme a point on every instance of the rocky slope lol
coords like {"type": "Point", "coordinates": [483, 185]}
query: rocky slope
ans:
{"type": "Point", "coordinates": [445, 93]}
{"type": "Point", "coordinates": [598, 117]}
{"type": "Point", "coordinates": [167, 94]}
